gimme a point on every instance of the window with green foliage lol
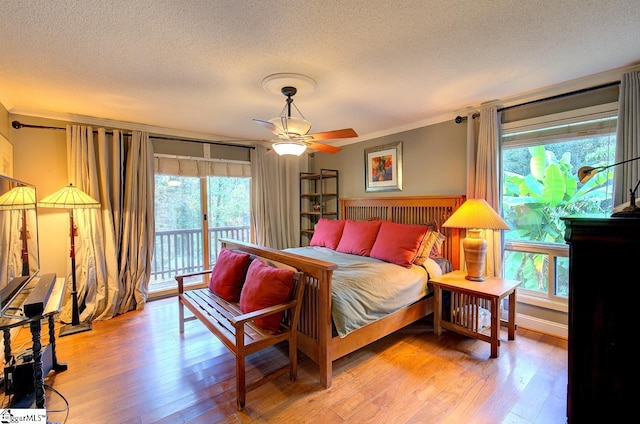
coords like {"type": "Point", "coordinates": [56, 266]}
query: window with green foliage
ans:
{"type": "Point", "coordinates": [540, 159]}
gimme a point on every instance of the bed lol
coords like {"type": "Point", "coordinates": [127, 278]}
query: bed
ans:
{"type": "Point", "coordinates": [317, 336]}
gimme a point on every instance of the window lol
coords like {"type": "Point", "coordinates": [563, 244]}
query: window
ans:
{"type": "Point", "coordinates": [540, 159]}
{"type": "Point", "coordinates": [192, 213]}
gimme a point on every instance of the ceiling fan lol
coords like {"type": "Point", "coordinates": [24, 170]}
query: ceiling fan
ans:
{"type": "Point", "coordinates": [293, 133]}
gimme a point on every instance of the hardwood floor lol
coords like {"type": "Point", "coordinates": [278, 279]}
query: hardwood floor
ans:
{"type": "Point", "coordinates": [137, 368]}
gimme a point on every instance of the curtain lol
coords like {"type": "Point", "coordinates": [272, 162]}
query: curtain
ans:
{"type": "Point", "coordinates": [10, 229]}
{"type": "Point", "coordinates": [115, 243]}
{"type": "Point", "coordinates": [275, 198]}
{"type": "Point", "coordinates": [471, 157]}
{"type": "Point", "coordinates": [628, 137]}
{"type": "Point", "coordinates": [486, 179]}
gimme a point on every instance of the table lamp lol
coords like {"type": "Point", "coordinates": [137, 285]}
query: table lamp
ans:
{"type": "Point", "coordinates": [475, 215]}
{"type": "Point", "coordinates": [586, 172]}
{"type": "Point", "coordinates": [21, 198]}
{"type": "Point", "coordinates": [71, 198]}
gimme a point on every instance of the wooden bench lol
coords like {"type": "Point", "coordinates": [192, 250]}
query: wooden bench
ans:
{"type": "Point", "coordinates": [237, 331]}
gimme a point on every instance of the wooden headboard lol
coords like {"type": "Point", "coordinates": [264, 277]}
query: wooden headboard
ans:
{"type": "Point", "coordinates": [417, 210]}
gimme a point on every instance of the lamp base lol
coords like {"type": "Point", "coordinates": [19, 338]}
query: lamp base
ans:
{"type": "Point", "coordinates": [630, 211]}
{"type": "Point", "coordinates": [67, 330]}
{"type": "Point", "coordinates": [475, 250]}
{"type": "Point", "coordinates": [472, 278]}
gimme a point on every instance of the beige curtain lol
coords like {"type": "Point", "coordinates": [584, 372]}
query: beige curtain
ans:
{"type": "Point", "coordinates": [275, 197]}
{"type": "Point", "coordinates": [486, 179]}
{"type": "Point", "coordinates": [10, 228]}
{"type": "Point", "coordinates": [115, 243]}
{"type": "Point", "coordinates": [471, 156]}
{"type": "Point", "coordinates": [628, 137]}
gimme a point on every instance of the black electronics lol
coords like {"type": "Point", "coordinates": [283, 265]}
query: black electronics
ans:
{"type": "Point", "coordinates": [39, 295]}
{"type": "Point", "coordinates": [11, 290]}
{"type": "Point", "coordinates": [18, 377]}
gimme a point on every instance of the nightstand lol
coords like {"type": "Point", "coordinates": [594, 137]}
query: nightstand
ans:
{"type": "Point", "coordinates": [472, 302]}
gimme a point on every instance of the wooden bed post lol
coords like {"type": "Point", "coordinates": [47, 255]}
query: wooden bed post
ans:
{"type": "Point", "coordinates": [325, 335]}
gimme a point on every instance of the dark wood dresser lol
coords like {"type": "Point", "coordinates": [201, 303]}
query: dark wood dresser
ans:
{"type": "Point", "coordinates": [604, 312]}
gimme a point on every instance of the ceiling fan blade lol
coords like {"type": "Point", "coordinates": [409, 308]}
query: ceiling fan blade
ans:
{"type": "Point", "coordinates": [330, 135]}
{"type": "Point", "coordinates": [268, 125]}
{"type": "Point", "coordinates": [322, 147]}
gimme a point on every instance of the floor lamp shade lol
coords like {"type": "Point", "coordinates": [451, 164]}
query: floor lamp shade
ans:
{"type": "Point", "coordinates": [71, 198]}
{"type": "Point", "coordinates": [475, 215]}
{"type": "Point", "coordinates": [21, 198]}
{"type": "Point", "coordinates": [18, 198]}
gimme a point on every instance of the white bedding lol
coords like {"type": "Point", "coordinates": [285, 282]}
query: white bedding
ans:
{"type": "Point", "coordinates": [365, 289]}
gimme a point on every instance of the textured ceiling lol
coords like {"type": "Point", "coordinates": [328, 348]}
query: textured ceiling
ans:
{"type": "Point", "coordinates": [380, 66]}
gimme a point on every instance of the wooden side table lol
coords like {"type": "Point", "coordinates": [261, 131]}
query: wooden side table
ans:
{"type": "Point", "coordinates": [469, 299]}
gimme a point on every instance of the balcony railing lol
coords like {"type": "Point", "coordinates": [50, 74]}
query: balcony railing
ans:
{"type": "Point", "coordinates": [181, 251]}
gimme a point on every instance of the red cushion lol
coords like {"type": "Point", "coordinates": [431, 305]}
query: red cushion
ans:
{"type": "Point", "coordinates": [327, 233]}
{"type": "Point", "coordinates": [358, 237]}
{"type": "Point", "coordinates": [266, 286]}
{"type": "Point", "coordinates": [228, 274]}
{"type": "Point", "coordinates": [398, 243]}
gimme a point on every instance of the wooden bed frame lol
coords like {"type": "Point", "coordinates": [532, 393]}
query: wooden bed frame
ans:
{"type": "Point", "coordinates": [315, 337]}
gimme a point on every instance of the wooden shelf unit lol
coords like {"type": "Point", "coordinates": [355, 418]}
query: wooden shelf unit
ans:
{"type": "Point", "coordinates": [317, 188]}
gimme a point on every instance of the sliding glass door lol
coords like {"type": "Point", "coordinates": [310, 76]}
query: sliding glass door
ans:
{"type": "Point", "coordinates": [192, 214]}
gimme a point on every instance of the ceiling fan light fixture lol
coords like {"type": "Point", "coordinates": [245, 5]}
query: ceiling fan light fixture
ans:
{"type": "Point", "coordinates": [290, 147]}
{"type": "Point", "coordinates": [291, 125]}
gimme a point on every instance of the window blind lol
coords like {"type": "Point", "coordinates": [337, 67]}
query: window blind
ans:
{"type": "Point", "coordinates": [200, 167]}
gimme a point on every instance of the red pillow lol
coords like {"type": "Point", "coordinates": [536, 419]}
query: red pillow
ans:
{"type": "Point", "coordinates": [327, 233]}
{"type": "Point", "coordinates": [358, 237]}
{"type": "Point", "coordinates": [398, 243]}
{"type": "Point", "coordinates": [228, 274]}
{"type": "Point", "coordinates": [266, 286]}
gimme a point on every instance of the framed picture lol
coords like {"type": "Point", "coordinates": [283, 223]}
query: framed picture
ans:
{"type": "Point", "coordinates": [383, 167]}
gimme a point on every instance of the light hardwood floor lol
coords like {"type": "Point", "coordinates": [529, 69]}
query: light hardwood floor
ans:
{"type": "Point", "coordinates": [137, 368]}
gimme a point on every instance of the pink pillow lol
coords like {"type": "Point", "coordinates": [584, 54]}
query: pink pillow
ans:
{"type": "Point", "coordinates": [327, 233]}
{"type": "Point", "coordinates": [266, 286]}
{"type": "Point", "coordinates": [228, 274]}
{"type": "Point", "coordinates": [358, 237]}
{"type": "Point", "coordinates": [398, 243]}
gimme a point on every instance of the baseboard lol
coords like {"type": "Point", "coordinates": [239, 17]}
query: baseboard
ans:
{"type": "Point", "coordinates": [543, 326]}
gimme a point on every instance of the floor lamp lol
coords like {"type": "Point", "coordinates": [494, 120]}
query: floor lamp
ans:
{"type": "Point", "coordinates": [21, 198]}
{"type": "Point", "coordinates": [71, 198]}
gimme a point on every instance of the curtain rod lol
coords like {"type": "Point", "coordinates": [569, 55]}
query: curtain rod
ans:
{"type": "Point", "coordinates": [460, 119]}
{"type": "Point", "coordinates": [17, 125]}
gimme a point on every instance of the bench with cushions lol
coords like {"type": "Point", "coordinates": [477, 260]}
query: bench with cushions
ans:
{"type": "Point", "coordinates": [250, 304]}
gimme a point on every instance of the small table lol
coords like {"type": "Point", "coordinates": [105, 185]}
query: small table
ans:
{"type": "Point", "coordinates": [44, 358]}
{"type": "Point", "coordinates": [467, 301]}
